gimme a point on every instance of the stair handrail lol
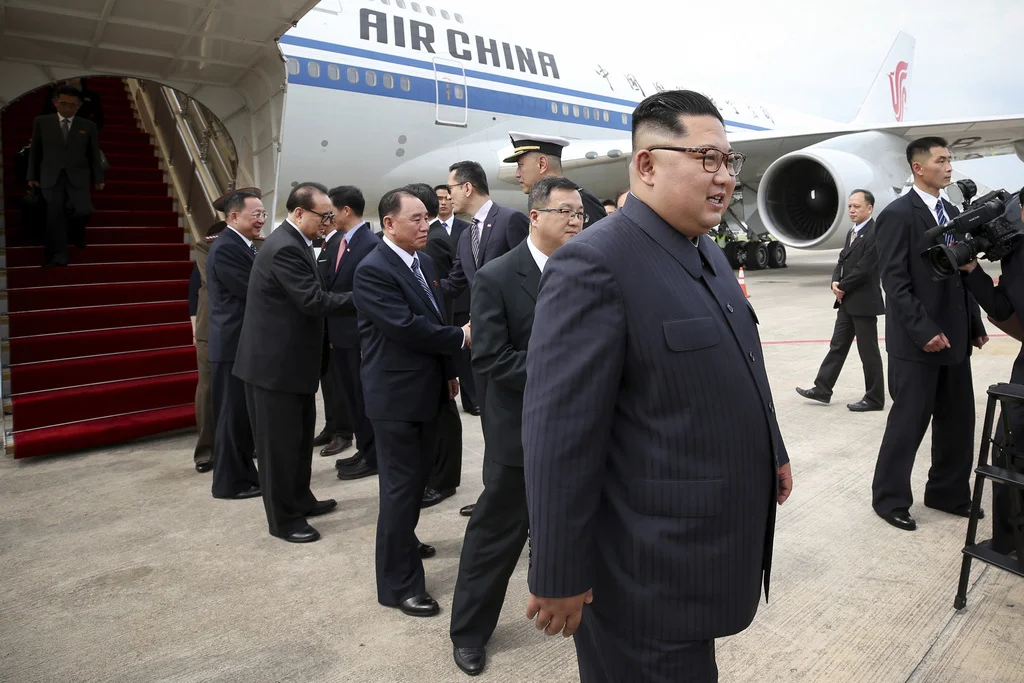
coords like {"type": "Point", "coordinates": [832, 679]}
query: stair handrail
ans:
{"type": "Point", "coordinates": [217, 149]}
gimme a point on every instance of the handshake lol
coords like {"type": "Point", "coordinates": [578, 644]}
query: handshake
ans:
{"type": "Point", "coordinates": [466, 331]}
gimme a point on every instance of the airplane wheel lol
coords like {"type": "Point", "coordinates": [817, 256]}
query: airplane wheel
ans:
{"type": "Point", "coordinates": [735, 255]}
{"type": "Point", "coordinates": [757, 256]}
{"type": "Point", "coordinates": [776, 255]}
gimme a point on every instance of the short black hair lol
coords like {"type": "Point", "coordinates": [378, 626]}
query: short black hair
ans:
{"type": "Point", "coordinates": [1020, 196]}
{"type": "Point", "coordinates": [302, 196]}
{"type": "Point", "coordinates": [68, 90]}
{"type": "Point", "coordinates": [870, 198]}
{"type": "Point", "coordinates": [350, 196]}
{"type": "Point", "coordinates": [923, 146]}
{"type": "Point", "coordinates": [441, 187]}
{"type": "Point", "coordinates": [236, 201]}
{"type": "Point", "coordinates": [608, 202]}
{"type": "Point", "coordinates": [392, 202]}
{"type": "Point", "coordinates": [426, 194]}
{"type": "Point", "coordinates": [541, 191]}
{"type": "Point", "coordinates": [471, 172]}
{"type": "Point", "coordinates": [663, 109]}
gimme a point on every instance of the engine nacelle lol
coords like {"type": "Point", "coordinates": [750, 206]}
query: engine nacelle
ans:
{"type": "Point", "coordinates": [801, 198]}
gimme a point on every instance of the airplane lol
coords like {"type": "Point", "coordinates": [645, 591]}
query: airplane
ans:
{"type": "Point", "coordinates": [386, 92]}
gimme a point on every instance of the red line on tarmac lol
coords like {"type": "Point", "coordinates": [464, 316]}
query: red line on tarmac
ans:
{"type": "Point", "coordinates": [829, 341]}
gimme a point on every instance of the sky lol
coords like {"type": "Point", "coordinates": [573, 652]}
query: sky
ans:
{"type": "Point", "coordinates": [818, 57]}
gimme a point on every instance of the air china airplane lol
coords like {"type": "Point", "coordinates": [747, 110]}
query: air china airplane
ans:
{"type": "Point", "coordinates": [386, 92]}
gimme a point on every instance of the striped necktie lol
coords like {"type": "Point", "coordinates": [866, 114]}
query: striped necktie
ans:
{"type": "Point", "coordinates": [423, 283]}
{"type": "Point", "coordinates": [940, 215]}
{"type": "Point", "coordinates": [475, 235]}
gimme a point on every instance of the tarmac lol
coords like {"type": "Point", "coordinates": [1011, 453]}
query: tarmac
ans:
{"type": "Point", "coordinates": [118, 565]}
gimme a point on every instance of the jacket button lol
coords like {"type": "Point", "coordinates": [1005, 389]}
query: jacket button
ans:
{"type": "Point", "coordinates": [771, 407]}
{"type": "Point", "coordinates": [729, 307]}
{"type": "Point", "coordinates": [753, 358]}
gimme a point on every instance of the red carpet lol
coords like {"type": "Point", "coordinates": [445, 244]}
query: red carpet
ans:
{"type": "Point", "coordinates": [100, 351]}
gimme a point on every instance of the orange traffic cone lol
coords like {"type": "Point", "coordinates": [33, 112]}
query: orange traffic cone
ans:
{"type": "Point", "coordinates": [743, 283]}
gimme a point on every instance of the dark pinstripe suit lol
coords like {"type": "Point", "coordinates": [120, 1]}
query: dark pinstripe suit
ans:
{"type": "Point", "coordinates": [641, 482]}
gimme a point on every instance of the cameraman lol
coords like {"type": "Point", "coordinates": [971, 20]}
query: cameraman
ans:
{"type": "Point", "coordinates": [1001, 302]}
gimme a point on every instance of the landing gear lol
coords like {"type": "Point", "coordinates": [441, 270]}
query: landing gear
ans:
{"type": "Point", "coordinates": [776, 255]}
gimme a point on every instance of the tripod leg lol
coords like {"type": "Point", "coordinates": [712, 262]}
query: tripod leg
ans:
{"type": "Point", "coordinates": [979, 486]}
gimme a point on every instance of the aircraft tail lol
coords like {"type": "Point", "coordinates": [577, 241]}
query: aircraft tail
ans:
{"type": "Point", "coordinates": [886, 101]}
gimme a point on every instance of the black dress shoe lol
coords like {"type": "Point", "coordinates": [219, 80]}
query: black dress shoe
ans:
{"type": "Point", "coordinates": [251, 492]}
{"type": "Point", "coordinates": [427, 551]}
{"type": "Point", "coordinates": [337, 445]}
{"type": "Point", "coordinates": [348, 462]}
{"type": "Point", "coordinates": [323, 438]}
{"type": "Point", "coordinates": [204, 466]}
{"type": "Point", "coordinates": [814, 394]}
{"type": "Point", "coordinates": [863, 407]}
{"type": "Point", "coordinates": [432, 497]}
{"type": "Point", "coordinates": [473, 410]}
{"type": "Point", "coordinates": [322, 507]}
{"type": "Point", "coordinates": [467, 510]}
{"type": "Point", "coordinates": [959, 512]}
{"type": "Point", "coordinates": [307, 534]}
{"type": "Point", "coordinates": [470, 659]}
{"type": "Point", "coordinates": [420, 606]}
{"type": "Point", "coordinates": [358, 471]}
{"type": "Point", "coordinates": [900, 520]}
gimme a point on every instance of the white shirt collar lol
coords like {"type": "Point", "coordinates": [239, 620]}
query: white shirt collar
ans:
{"type": "Point", "coordinates": [931, 202]}
{"type": "Point", "coordinates": [539, 256]}
{"type": "Point", "coordinates": [248, 242]}
{"type": "Point", "coordinates": [62, 119]}
{"type": "Point", "coordinates": [857, 228]}
{"type": "Point", "coordinates": [328, 236]}
{"type": "Point", "coordinates": [481, 215]}
{"type": "Point", "coordinates": [406, 257]}
{"type": "Point", "coordinates": [305, 239]}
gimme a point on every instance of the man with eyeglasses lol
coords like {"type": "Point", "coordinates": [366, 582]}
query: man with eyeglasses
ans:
{"type": "Point", "coordinates": [279, 359]}
{"type": "Point", "coordinates": [651, 511]}
{"type": "Point", "coordinates": [540, 156]}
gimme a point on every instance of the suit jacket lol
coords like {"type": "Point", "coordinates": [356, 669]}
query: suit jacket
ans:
{"type": "Point", "coordinates": [917, 308]}
{"type": "Point", "coordinates": [78, 156]}
{"type": "Point", "coordinates": [857, 275]}
{"type": "Point", "coordinates": [504, 297]}
{"type": "Point", "coordinates": [282, 335]}
{"type": "Point", "coordinates": [202, 251]}
{"type": "Point", "coordinates": [343, 330]}
{"type": "Point", "coordinates": [503, 229]}
{"type": "Point", "coordinates": [227, 281]}
{"type": "Point", "coordinates": [640, 483]}
{"type": "Point", "coordinates": [406, 344]}
{"type": "Point", "coordinates": [592, 206]}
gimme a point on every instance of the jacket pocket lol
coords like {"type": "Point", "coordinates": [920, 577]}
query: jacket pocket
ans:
{"type": "Point", "coordinates": [690, 335]}
{"type": "Point", "coordinates": [677, 497]}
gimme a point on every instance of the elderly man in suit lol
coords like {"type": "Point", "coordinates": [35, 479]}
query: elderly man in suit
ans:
{"type": "Point", "coordinates": [408, 377]}
{"type": "Point", "coordinates": [929, 330]}
{"type": "Point", "coordinates": [652, 512]}
{"type": "Point", "coordinates": [858, 293]}
{"type": "Point", "coordinates": [65, 163]}
{"type": "Point", "coordinates": [504, 297]}
{"type": "Point", "coordinates": [279, 358]}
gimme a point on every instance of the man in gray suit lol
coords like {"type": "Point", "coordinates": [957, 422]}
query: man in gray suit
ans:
{"type": "Point", "coordinates": [652, 512]}
{"type": "Point", "coordinates": [64, 161]}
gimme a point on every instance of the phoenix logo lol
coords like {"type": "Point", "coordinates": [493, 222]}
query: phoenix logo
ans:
{"type": "Point", "coordinates": [898, 90]}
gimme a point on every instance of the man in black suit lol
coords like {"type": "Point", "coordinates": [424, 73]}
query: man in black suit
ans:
{"type": "Point", "coordinates": [504, 297]}
{"type": "Point", "coordinates": [858, 292]}
{"type": "Point", "coordinates": [352, 243]}
{"type": "Point", "coordinates": [65, 163]}
{"type": "Point", "coordinates": [540, 156]}
{"type": "Point", "coordinates": [279, 359]}
{"type": "Point", "coordinates": [408, 377]}
{"type": "Point", "coordinates": [651, 510]}
{"type": "Point", "coordinates": [227, 281]}
{"type": "Point", "coordinates": [494, 230]}
{"type": "Point", "coordinates": [929, 329]}
{"type": "Point", "coordinates": [451, 227]}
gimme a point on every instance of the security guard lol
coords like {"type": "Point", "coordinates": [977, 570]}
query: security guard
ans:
{"type": "Point", "coordinates": [540, 156]}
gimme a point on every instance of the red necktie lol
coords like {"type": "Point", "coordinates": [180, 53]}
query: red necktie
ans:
{"type": "Point", "coordinates": [341, 252]}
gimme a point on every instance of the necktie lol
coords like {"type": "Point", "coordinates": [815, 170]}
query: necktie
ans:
{"type": "Point", "coordinates": [423, 283]}
{"type": "Point", "coordinates": [65, 126]}
{"type": "Point", "coordinates": [341, 252]}
{"type": "Point", "coordinates": [940, 215]}
{"type": "Point", "coordinates": [475, 235]}
{"type": "Point", "coordinates": [852, 236]}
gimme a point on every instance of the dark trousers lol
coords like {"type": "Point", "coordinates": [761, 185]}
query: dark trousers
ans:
{"type": "Point", "coordinates": [345, 364]}
{"type": "Point", "coordinates": [921, 393]}
{"type": "Point", "coordinates": [447, 470]}
{"type": "Point", "coordinates": [204, 406]}
{"type": "Point", "coordinates": [405, 454]}
{"type": "Point", "coordinates": [282, 427]}
{"type": "Point", "coordinates": [464, 369]}
{"type": "Point", "coordinates": [494, 540]}
{"type": "Point", "coordinates": [59, 227]}
{"type": "Point", "coordinates": [605, 656]}
{"type": "Point", "coordinates": [337, 410]}
{"type": "Point", "coordinates": [865, 328]}
{"type": "Point", "coordinates": [233, 471]}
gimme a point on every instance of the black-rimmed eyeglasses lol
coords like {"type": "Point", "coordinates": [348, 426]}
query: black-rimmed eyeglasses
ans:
{"type": "Point", "coordinates": [713, 158]}
{"type": "Point", "coordinates": [568, 214]}
{"type": "Point", "coordinates": [325, 218]}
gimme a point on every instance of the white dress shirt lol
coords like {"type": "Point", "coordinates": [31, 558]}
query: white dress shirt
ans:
{"type": "Point", "coordinates": [309, 242]}
{"type": "Point", "coordinates": [407, 259]}
{"type": "Point", "coordinates": [447, 224]}
{"type": "Point", "coordinates": [248, 242]}
{"type": "Point", "coordinates": [481, 216]}
{"type": "Point", "coordinates": [539, 256]}
{"type": "Point", "coordinates": [931, 202]}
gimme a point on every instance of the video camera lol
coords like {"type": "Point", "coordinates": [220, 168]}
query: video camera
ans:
{"type": "Point", "coordinates": [989, 225]}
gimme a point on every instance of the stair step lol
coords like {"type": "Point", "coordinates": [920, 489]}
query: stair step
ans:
{"type": "Point", "coordinates": [141, 159]}
{"type": "Point", "coordinates": [111, 236]}
{"type": "Point", "coordinates": [49, 348]}
{"type": "Point", "coordinates": [103, 253]}
{"type": "Point", "coordinates": [71, 296]}
{"type": "Point", "coordinates": [105, 273]}
{"type": "Point", "coordinates": [103, 432]}
{"type": "Point", "coordinates": [96, 318]}
{"type": "Point", "coordinates": [75, 372]}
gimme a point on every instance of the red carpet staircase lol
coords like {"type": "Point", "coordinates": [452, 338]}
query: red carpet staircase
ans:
{"type": "Point", "coordinates": [101, 350]}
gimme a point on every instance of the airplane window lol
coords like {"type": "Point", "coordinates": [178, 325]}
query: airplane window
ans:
{"type": "Point", "coordinates": [576, 110]}
{"type": "Point", "coordinates": [353, 75]}
{"type": "Point", "coordinates": [371, 78]}
{"type": "Point", "coordinates": [333, 72]}
{"type": "Point", "coordinates": [416, 7]}
{"type": "Point", "coordinates": [314, 69]}
{"type": "Point", "coordinates": [293, 66]}
{"type": "Point", "coordinates": [565, 110]}
{"type": "Point", "coordinates": [458, 18]}
{"type": "Point", "coordinates": [624, 121]}
{"type": "Point", "coordinates": [430, 11]}
{"type": "Point", "coordinates": [604, 115]}
{"type": "Point", "coordinates": [389, 81]}
{"type": "Point", "coordinates": [554, 107]}
{"type": "Point", "coordinates": [458, 92]}
{"type": "Point", "coordinates": [400, 3]}
{"type": "Point", "coordinates": [586, 112]}
{"type": "Point", "coordinates": [405, 84]}
{"type": "Point", "coordinates": [445, 15]}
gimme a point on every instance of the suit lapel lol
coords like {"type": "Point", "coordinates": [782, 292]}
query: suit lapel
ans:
{"type": "Point", "coordinates": [528, 271]}
{"type": "Point", "coordinates": [237, 239]}
{"type": "Point", "coordinates": [667, 237]}
{"type": "Point", "coordinates": [405, 272]}
{"type": "Point", "coordinates": [488, 228]}
{"type": "Point", "coordinates": [306, 249]}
